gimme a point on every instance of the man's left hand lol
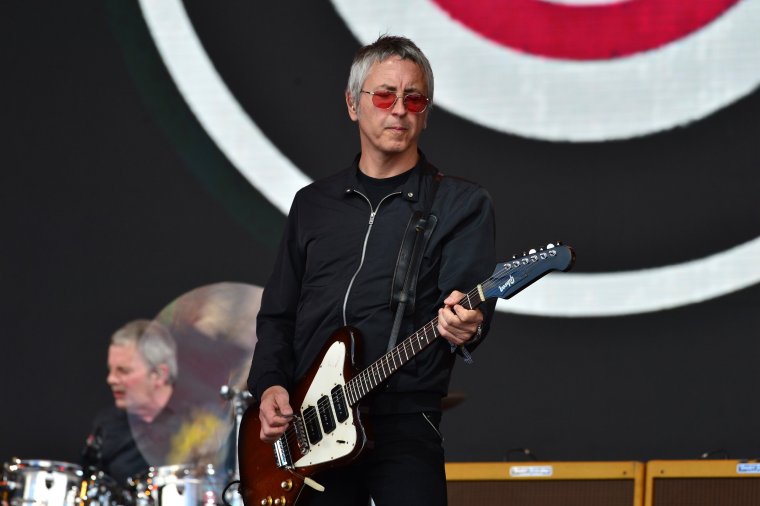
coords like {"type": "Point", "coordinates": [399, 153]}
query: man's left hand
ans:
{"type": "Point", "coordinates": [455, 323]}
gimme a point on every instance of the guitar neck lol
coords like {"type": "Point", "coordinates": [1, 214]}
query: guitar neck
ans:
{"type": "Point", "coordinates": [380, 370]}
{"type": "Point", "coordinates": [508, 279]}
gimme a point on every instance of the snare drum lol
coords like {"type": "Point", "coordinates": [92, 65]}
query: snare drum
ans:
{"type": "Point", "coordinates": [178, 486]}
{"type": "Point", "coordinates": [43, 483]}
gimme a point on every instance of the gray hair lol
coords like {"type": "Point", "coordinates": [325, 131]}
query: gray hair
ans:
{"type": "Point", "coordinates": [380, 50]}
{"type": "Point", "coordinates": [153, 341]}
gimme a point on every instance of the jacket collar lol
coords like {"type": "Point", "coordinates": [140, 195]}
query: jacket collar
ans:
{"type": "Point", "coordinates": [409, 191]}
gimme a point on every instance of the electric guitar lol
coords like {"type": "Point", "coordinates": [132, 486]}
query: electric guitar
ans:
{"type": "Point", "coordinates": [326, 430]}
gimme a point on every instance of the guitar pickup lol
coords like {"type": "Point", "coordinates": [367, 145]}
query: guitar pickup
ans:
{"type": "Point", "coordinates": [311, 421]}
{"type": "Point", "coordinates": [339, 402]}
{"type": "Point", "coordinates": [326, 414]}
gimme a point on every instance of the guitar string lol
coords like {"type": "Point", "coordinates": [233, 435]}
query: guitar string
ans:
{"type": "Point", "coordinates": [374, 374]}
{"type": "Point", "coordinates": [366, 378]}
{"type": "Point", "coordinates": [312, 417]}
{"type": "Point", "coordinates": [354, 389]}
{"type": "Point", "coordinates": [354, 393]}
{"type": "Point", "coordinates": [364, 382]}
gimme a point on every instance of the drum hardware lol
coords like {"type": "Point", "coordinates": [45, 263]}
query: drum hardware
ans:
{"type": "Point", "coordinates": [42, 483]}
{"type": "Point", "coordinates": [240, 401]}
{"type": "Point", "coordinates": [99, 489]}
{"type": "Point", "coordinates": [54, 483]}
{"type": "Point", "coordinates": [176, 485]}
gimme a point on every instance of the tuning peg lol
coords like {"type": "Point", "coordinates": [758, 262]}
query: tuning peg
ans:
{"type": "Point", "coordinates": [532, 251]}
{"type": "Point", "coordinates": [549, 246]}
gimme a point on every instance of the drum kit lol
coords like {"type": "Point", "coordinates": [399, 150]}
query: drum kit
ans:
{"type": "Point", "coordinates": [214, 329]}
{"type": "Point", "coordinates": [55, 483]}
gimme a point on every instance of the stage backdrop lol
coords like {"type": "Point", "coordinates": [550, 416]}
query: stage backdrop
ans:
{"type": "Point", "coordinates": [151, 148]}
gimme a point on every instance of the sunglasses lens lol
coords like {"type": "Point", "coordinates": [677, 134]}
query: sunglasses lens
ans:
{"type": "Point", "coordinates": [383, 99]}
{"type": "Point", "coordinates": [415, 102]}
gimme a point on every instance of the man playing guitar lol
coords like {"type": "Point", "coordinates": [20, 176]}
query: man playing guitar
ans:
{"type": "Point", "coordinates": [338, 267]}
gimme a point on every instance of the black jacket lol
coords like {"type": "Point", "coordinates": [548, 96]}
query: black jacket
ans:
{"type": "Point", "coordinates": [335, 268]}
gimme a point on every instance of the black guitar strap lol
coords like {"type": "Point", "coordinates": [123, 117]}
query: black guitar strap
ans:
{"type": "Point", "coordinates": [404, 287]}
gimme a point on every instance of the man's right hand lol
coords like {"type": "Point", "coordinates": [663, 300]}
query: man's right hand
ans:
{"type": "Point", "coordinates": [275, 413]}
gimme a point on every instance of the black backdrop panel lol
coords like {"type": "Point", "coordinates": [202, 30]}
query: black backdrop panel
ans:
{"type": "Point", "coordinates": [115, 201]}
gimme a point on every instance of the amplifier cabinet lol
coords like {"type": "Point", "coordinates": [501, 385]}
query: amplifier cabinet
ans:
{"type": "Point", "coordinates": [545, 483]}
{"type": "Point", "coordinates": [702, 483]}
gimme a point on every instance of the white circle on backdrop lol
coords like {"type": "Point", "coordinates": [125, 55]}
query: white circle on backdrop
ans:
{"type": "Point", "coordinates": [278, 179]}
{"type": "Point", "coordinates": [563, 100]}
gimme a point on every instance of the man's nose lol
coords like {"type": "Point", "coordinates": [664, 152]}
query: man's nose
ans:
{"type": "Point", "coordinates": [399, 107]}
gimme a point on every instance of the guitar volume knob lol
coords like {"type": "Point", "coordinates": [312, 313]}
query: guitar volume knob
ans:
{"type": "Point", "coordinates": [286, 485]}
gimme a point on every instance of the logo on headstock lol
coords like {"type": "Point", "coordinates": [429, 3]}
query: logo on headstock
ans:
{"type": "Point", "coordinates": [509, 282]}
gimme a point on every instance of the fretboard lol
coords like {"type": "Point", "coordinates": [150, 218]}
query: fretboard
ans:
{"type": "Point", "coordinates": [380, 370]}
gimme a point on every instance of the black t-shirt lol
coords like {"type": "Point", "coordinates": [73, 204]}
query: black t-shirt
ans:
{"type": "Point", "coordinates": [376, 189]}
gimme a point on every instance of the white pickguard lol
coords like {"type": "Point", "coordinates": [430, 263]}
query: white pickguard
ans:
{"type": "Point", "coordinates": [342, 440]}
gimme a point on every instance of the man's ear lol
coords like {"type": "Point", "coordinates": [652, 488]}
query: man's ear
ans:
{"type": "Point", "coordinates": [351, 109]}
{"type": "Point", "coordinates": [163, 373]}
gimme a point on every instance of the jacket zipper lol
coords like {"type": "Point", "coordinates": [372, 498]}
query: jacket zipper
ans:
{"type": "Point", "coordinates": [372, 214]}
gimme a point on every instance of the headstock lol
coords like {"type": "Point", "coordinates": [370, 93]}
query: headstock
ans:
{"type": "Point", "coordinates": [512, 276]}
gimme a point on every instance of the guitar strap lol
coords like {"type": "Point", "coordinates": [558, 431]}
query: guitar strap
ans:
{"type": "Point", "coordinates": [418, 231]}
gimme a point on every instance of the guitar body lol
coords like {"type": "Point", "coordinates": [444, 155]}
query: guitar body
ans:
{"type": "Point", "coordinates": [261, 482]}
{"type": "Point", "coordinates": [322, 436]}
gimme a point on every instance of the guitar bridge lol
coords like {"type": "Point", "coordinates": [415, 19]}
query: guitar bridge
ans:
{"type": "Point", "coordinates": [282, 454]}
{"type": "Point", "coordinates": [301, 440]}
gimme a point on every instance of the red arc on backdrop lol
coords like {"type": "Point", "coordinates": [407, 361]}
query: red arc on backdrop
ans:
{"type": "Point", "coordinates": [584, 32]}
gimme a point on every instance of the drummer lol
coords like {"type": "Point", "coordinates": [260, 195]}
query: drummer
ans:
{"type": "Point", "coordinates": [135, 432]}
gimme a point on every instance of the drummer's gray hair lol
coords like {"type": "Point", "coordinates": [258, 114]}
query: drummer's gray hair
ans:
{"type": "Point", "coordinates": [154, 342]}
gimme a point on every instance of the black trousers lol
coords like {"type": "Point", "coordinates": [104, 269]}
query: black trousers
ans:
{"type": "Point", "coordinates": [404, 465]}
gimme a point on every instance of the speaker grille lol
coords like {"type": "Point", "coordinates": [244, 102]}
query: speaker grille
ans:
{"type": "Point", "coordinates": [706, 492]}
{"type": "Point", "coordinates": [542, 493]}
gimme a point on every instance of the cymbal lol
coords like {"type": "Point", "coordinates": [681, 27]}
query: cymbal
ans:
{"type": "Point", "coordinates": [214, 328]}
